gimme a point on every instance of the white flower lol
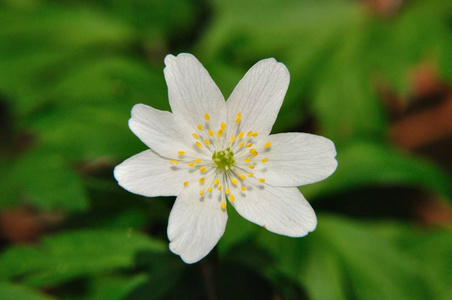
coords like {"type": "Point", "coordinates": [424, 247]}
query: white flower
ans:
{"type": "Point", "coordinates": [208, 150]}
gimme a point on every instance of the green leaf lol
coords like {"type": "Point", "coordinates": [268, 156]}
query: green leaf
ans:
{"type": "Point", "coordinates": [114, 287]}
{"type": "Point", "coordinates": [48, 182]}
{"type": "Point", "coordinates": [16, 292]}
{"type": "Point", "coordinates": [75, 254]}
{"type": "Point", "coordinates": [366, 164]}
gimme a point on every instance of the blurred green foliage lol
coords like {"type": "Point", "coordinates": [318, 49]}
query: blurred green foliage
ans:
{"type": "Point", "coordinates": [70, 71]}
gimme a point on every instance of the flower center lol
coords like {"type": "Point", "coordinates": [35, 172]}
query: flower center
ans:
{"type": "Point", "coordinates": [223, 159]}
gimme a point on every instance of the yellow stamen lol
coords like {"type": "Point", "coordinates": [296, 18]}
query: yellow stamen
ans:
{"type": "Point", "coordinates": [223, 205]}
{"type": "Point", "coordinates": [249, 145]}
{"type": "Point", "coordinates": [220, 132]}
{"type": "Point", "coordinates": [247, 159]}
{"type": "Point", "coordinates": [216, 181]}
{"type": "Point", "coordinates": [181, 152]}
{"type": "Point", "coordinates": [241, 144]}
{"type": "Point", "coordinates": [261, 180]}
{"type": "Point", "coordinates": [265, 160]}
{"type": "Point", "coordinates": [200, 127]}
{"type": "Point", "coordinates": [234, 181]}
{"type": "Point", "coordinates": [191, 164]}
{"type": "Point", "coordinates": [254, 134]}
{"type": "Point", "coordinates": [174, 162]}
{"type": "Point", "coordinates": [243, 177]}
{"type": "Point", "coordinates": [207, 117]}
{"type": "Point", "coordinates": [243, 188]}
{"type": "Point", "coordinates": [232, 140]}
{"type": "Point", "coordinates": [220, 187]}
{"type": "Point", "coordinates": [195, 136]}
{"type": "Point", "coordinates": [198, 144]}
{"type": "Point", "coordinates": [201, 192]}
{"type": "Point", "coordinates": [202, 169]}
{"type": "Point", "coordinates": [209, 189]}
{"type": "Point", "coordinates": [232, 198]}
{"type": "Point", "coordinates": [210, 132]}
{"type": "Point", "coordinates": [223, 126]}
{"type": "Point", "coordinates": [198, 161]}
{"type": "Point", "coordinates": [226, 190]}
{"type": "Point", "coordinates": [186, 183]}
{"type": "Point", "coordinates": [241, 134]}
{"type": "Point", "coordinates": [250, 174]}
{"type": "Point", "coordinates": [249, 133]}
{"type": "Point", "coordinates": [254, 154]}
{"type": "Point", "coordinates": [239, 117]}
{"type": "Point", "coordinates": [207, 142]}
{"type": "Point", "coordinates": [251, 166]}
{"type": "Point", "coordinates": [267, 144]}
{"type": "Point", "coordinates": [201, 180]}
{"type": "Point", "coordinates": [252, 150]}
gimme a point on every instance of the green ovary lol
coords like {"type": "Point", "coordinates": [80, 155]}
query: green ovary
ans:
{"type": "Point", "coordinates": [223, 159]}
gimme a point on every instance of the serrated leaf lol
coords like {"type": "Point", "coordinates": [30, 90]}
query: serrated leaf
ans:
{"type": "Point", "coordinates": [75, 254]}
{"type": "Point", "coordinates": [369, 164]}
{"type": "Point", "coordinates": [16, 292]}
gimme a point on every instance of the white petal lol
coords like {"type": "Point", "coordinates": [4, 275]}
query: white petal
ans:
{"type": "Point", "coordinates": [196, 223]}
{"type": "Point", "coordinates": [192, 92]}
{"type": "Point", "coordinates": [278, 209]}
{"type": "Point", "coordinates": [150, 175]}
{"type": "Point", "coordinates": [296, 159]}
{"type": "Point", "coordinates": [258, 96]}
{"type": "Point", "coordinates": [158, 130]}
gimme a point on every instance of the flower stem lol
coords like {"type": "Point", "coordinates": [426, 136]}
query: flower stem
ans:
{"type": "Point", "coordinates": [209, 270]}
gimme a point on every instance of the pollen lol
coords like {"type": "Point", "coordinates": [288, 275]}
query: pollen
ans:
{"type": "Point", "coordinates": [232, 140]}
{"type": "Point", "coordinates": [254, 134]}
{"type": "Point", "coordinates": [243, 177]}
{"type": "Point", "coordinates": [186, 183]}
{"type": "Point", "coordinates": [191, 164]}
{"type": "Point", "coordinates": [201, 192]}
{"type": "Point", "coordinates": [232, 198]}
{"type": "Point", "coordinates": [234, 181]}
{"type": "Point", "coordinates": [202, 169]}
{"type": "Point", "coordinates": [250, 133]}
{"type": "Point", "coordinates": [267, 144]}
{"type": "Point", "coordinates": [261, 180]}
{"type": "Point", "coordinates": [251, 166]}
{"type": "Point", "coordinates": [252, 150]}
{"type": "Point", "coordinates": [209, 189]}
{"type": "Point", "coordinates": [201, 180]}
{"type": "Point", "coordinates": [207, 117]}
{"type": "Point", "coordinates": [250, 174]}
{"type": "Point", "coordinates": [238, 118]}
{"type": "Point", "coordinates": [181, 152]}
{"type": "Point", "coordinates": [216, 181]}
{"type": "Point", "coordinates": [223, 205]}
{"type": "Point", "coordinates": [254, 154]}
{"type": "Point", "coordinates": [241, 144]}
{"type": "Point", "coordinates": [220, 132]}
{"type": "Point", "coordinates": [174, 162]}
{"type": "Point", "coordinates": [247, 159]}
{"type": "Point", "coordinates": [210, 132]}
{"type": "Point", "coordinates": [223, 126]}
{"type": "Point", "coordinates": [241, 134]}
{"type": "Point", "coordinates": [195, 136]}
{"type": "Point", "coordinates": [249, 145]}
{"type": "Point", "coordinates": [207, 142]}
{"type": "Point", "coordinates": [226, 190]}
{"type": "Point", "coordinates": [198, 144]}
{"type": "Point", "coordinates": [198, 161]}
{"type": "Point", "coordinates": [243, 188]}
{"type": "Point", "coordinates": [265, 160]}
{"type": "Point", "coordinates": [220, 187]}
{"type": "Point", "coordinates": [200, 127]}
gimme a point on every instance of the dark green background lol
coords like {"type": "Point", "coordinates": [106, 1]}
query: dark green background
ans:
{"type": "Point", "coordinates": [70, 72]}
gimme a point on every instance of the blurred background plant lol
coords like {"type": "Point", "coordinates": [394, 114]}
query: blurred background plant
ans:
{"type": "Point", "coordinates": [373, 75]}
